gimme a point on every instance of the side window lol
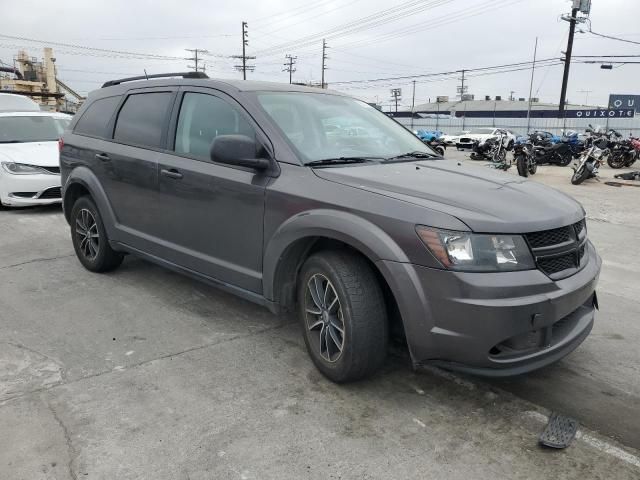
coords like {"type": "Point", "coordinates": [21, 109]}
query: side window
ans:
{"type": "Point", "coordinates": [96, 117]}
{"type": "Point", "coordinates": [142, 118]}
{"type": "Point", "coordinates": [202, 118]}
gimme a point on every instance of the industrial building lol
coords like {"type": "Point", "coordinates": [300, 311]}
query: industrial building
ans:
{"type": "Point", "coordinates": [37, 79]}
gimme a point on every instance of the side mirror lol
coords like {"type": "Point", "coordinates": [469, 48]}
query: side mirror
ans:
{"type": "Point", "coordinates": [237, 150]}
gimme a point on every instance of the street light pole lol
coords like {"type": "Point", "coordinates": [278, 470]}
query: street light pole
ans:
{"type": "Point", "coordinates": [533, 69]}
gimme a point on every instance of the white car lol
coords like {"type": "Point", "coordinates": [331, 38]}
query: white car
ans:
{"type": "Point", "coordinates": [483, 134]}
{"type": "Point", "coordinates": [452, 139]}
{"type": "Point", "coordinates": [29, 164]}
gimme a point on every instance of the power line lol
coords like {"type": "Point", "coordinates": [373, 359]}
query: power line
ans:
{"type": "Point", "coordinates": [195, 59]}
{"type": "Point", "coordinates": [611, 37]}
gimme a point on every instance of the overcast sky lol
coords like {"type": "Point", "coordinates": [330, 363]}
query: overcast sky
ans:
{"type": "Point", "coordinates": [424, 36]}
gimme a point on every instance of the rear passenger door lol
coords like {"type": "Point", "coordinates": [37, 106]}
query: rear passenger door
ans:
{"type": "Point", "coordinates": [129, 162]}
{"type": "Point", "coordinates": [212, 214]}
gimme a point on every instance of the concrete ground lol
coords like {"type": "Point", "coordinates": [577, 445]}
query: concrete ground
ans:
{"type": "Point", "coordinates": [145, 374]}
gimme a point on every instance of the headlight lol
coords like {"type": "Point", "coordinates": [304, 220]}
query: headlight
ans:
{"type": "Point", "coordinates": [473, 252]}
{"type": "Point", "coordinates": [23, 169]}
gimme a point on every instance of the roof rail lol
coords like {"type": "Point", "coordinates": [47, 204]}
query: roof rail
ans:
{"type": "Point", "coordinates": [156, 75]}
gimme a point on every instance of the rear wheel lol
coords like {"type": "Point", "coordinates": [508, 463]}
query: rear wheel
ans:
{"type": "Point", "coordinates": [564, 158]}
{"type": "Point", "coordinates": [343, 315]}
{"type": "Point", "coordinates": [580, 175]}
{"type": "Point", "coordinates": [521, 163]}
{"type": "Point", "coordinates": [90, 239]}
{"type": "Point", "coordinates": [533, 167]}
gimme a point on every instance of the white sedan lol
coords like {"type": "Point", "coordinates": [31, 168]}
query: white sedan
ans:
{"type": "Point", "coordinates": [29, 158]}
{"type": "Point", "coordinates": [483, 134]}
{"type": "Point", "coordinates": [452, 139]}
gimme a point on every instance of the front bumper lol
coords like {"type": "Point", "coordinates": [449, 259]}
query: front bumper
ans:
{"type": "Point", "coordinates": [494, 324]}
{"type": "Point", "coordinates": [14, 189]}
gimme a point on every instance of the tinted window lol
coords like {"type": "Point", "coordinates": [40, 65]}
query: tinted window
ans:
{"type": "Point", "coordinates": [142, 118]}
{"type": "Point", "coordinates": [202, 118]}
{"type": "Point", "coordinates": [96, 117]}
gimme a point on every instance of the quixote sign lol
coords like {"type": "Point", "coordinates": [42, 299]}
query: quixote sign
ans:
{"type": "Point", "coordinates": [620, 101]}
{"type": "Point", "coordinates": [611, 113]}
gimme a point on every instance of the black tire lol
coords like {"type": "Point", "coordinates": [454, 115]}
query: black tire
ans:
{"type": "Point", "coordinates": [360, 311]}
{"type": "Point", "coordinates": [521, 163]}
{"type": "Point", "coordinates": [580, 175]}
{"type": "Point", "coordinates": [94, 252]}
{"type": "Point", "coordinates": [440, 150]}
{"type": "Point", "coordinates": [616, 160]}
{"type": "Point", "coordinates": [533, 167]}
{"type": "Point", "coordinates": [564, 158]}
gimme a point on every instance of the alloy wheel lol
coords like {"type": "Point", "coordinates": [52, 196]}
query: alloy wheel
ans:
{"type": "Point", "coordinates": [87, 233]}
{"type": "Point", "coordinates": [324, 318]}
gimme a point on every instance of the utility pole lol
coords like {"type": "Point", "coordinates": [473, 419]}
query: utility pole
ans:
{"type": "Point", "coordinates": [511, 97]}
{"type": "Point", "coordinates": [195, 59]}
{"type": "Point", "coordinates": [324, 59]}
{"type": "Point", "coordinates": [396, 94]}
{"type": "Point", "coordinates": [533, 69]}
{"type": "Point", "coordinates": [567, 58]}
{"type": "Point", "coordinates": [290, 62]}
{"type": "Point", "coordinates": [462, 89]}
{"type": "Point", "coordinates": [413, 103]}
{"type": "Point", "coordinates": [245, 42]}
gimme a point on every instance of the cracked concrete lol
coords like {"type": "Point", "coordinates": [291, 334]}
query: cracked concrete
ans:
{"type": "Point", "coordinates": [144, 374]}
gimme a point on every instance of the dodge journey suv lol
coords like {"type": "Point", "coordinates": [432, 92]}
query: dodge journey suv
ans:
{"type": "Point", "coordinates": [263, 190]}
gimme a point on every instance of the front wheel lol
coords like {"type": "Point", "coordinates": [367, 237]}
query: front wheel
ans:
{"type": "Point", "coordinates": [521, 163]}
{"type": "Point", "coordinates": [580, 175]}
{"type": "Point", "coordinates": [90, 239]}
{"type": "Point", "coordinates": [616, 160]}
{"type": "Point", "coordinates": [343, 315]}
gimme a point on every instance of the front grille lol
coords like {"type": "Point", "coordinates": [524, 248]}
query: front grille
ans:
{"type": "Point", "coordinates": [557, 264]}
{"type": "Point", "coordinates": [54, 192]}
{"type": "Point", "coordinates": [54, 170]}
{"type": "Point", "coordinates": [559, 252]}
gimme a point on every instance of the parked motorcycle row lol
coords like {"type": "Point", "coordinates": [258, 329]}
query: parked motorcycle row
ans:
{"type": "Point", "coordinates": [596, 147]}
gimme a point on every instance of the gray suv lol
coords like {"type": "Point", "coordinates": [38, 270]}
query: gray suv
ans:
{"type": "Point", "coordinates": [308, 200]}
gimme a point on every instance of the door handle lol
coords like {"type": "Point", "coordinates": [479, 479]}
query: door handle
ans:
{"type": "Point", "coordinates": [172, 173]}
{"type": "Point", "coordinates": [103, 156]}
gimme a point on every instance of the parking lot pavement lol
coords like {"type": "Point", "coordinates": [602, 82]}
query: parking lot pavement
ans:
{"type": "Point", "coordinates": [143, 373]}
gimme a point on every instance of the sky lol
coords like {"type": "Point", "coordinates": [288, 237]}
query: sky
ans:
{"type": "Point", "coordinates": [366, 39]}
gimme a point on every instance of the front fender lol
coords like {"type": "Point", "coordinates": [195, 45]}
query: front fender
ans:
{"type": "Point", "coordinates": [82, 175]}
{"type": "Point", "coordinates": [353, 230]}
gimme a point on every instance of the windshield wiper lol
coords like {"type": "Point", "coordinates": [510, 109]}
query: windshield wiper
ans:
{"type": "Point", "coordinates": [410, 156]}
{"type": "Point", "coordinates": [340, 161]}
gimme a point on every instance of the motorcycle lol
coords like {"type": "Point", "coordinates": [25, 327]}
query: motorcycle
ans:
{"type": "Point", "coordinates": [591, 159]}
{"type": "Point", "coordinates": [525, 160]}
{"type": "Point", "coordinates": [436, 144]}
{"type": "Point", "coordinates": [555, 153]}
{"type": "Point", "coordinates": [624, 153]}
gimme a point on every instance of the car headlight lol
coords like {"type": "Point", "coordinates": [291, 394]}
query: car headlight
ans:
{"type": "Point", "coordinates": [23, 169]}
{"type": "Point", "coordinates": [465, 251]}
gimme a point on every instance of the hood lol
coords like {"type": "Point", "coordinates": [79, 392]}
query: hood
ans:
{"type": "Point", "coordinates": [484, 199]}
{"type": "Point", "coordinates": [44, 154]}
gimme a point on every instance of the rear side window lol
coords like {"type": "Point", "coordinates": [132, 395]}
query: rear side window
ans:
{"type": "Point", "coordinates": [142, 118]}
{"type": "Point", "coordinates": [96, 117]}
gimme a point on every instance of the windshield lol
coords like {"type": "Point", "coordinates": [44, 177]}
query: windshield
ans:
{"type": "Point", "coordinates": [481, 131]}
{"type": "Point", "coordinates": [29, 129]}
{"type": "Point", "coordinates": [321, 126]}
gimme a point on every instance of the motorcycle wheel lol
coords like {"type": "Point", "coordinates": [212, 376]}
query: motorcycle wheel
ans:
{"type": "Point", "coordinates": [440, 150]}
{"type": "Point", "coordinates": [521, 163]}
{"type": "Point", "coordinates": [616, 160]}
{"type": "Point", "coordinates": [565, 158]}
{"type": "Point", "coordinates": [630, 160]}
{"type": "Point", "coordinates": [580, 175]}
{"type": "Point", "coordinates": [533, 167]}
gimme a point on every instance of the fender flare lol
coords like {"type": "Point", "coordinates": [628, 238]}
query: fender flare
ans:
{"type": "Point", "coordinates": [364, 236]}
{"type": "Point", "coordinates": [82, 175]}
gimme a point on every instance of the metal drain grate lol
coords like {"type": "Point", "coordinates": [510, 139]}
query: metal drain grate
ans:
{"type": "Point", "coordinates": [559, 432]}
